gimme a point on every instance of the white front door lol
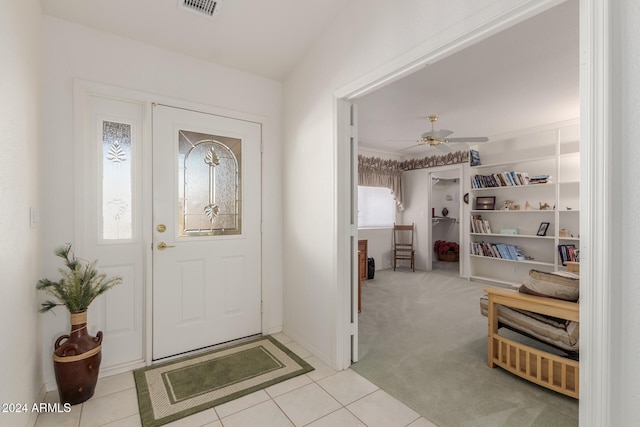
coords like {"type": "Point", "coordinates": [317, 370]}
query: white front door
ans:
{"type": "Point", "coordinates": [206, 230]}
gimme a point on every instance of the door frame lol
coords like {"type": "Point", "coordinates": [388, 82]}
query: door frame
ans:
{"type": "Point", "coordinates": [597, 87]}
{"type": "Point", "coordinates": [84, 87]}
{"type": "Point", "coordinates": [461, 235]}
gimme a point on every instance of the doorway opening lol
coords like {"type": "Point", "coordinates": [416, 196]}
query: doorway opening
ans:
{"type": "Point", "coordinates": [430, 214]}
{"type": "Point", "coordinates": [446, 212]}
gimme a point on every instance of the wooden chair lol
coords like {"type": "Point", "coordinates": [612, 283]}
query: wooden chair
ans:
{"type": "Point", "coordinates": [403, 245]}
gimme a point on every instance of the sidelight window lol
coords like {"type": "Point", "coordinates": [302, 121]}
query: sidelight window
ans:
{"type": "Point", "coordinates": [117, 218]}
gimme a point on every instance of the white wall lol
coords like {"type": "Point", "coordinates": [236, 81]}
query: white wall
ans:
{"type": "Point", "coordinates": [365, 37]}
{"type": "Point", "coordinates": [379, 245]}
{"type": "Point", "coordinates": [625, 200]}
{"type": "Point", "coordinates": [71, 51]}
{"type": "Point", "coordinates": [19, 175]}
{"type": "Point", "coordinates": [418, 212]}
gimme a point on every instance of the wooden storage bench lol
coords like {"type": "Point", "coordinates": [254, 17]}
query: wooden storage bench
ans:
{"type": "Point", "coordinates": [549, 370]}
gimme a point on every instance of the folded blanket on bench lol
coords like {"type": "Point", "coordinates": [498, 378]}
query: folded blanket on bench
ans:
{"type": "Point", "coordinates": [559, 333]}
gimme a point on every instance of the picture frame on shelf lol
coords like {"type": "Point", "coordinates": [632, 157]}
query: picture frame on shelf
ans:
{"type": "Point", "coordinates": [542, 230]}
{"type": "Point", "coordinates": [487, 203]}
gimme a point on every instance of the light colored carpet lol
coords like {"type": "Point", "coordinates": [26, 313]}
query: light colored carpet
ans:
{"type": "Point", "coordinates": [424, 341]}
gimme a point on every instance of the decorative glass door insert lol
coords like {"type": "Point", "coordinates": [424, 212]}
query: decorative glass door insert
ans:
{"type": "Point", "coordinates": [209, 190]}
{"type": "Point", "coordinates": [117, 218]}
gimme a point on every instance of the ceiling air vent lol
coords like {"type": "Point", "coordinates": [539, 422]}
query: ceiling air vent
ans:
{"type": "Point", "coordinates": [204, 7]}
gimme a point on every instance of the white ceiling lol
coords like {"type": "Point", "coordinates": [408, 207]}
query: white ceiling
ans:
{"type": "Point", "coordinates": [523, 77]}
{"type": "Point", "coordinates": [261, 37]}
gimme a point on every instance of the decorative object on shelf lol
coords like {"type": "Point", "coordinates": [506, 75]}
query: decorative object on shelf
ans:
{"type": "Point", "coordinates": [515, 207]}
{"type": "Point", "coordinates": [506, 205]}
{"type": "Point", "coordinates": [564, 233]}
{"type": "Point", "coordinates": [544, 207]}
{"type": "Point", "coordinates": [466, 198]}
{"type": "Point", "coordinates": [77, 356]}
{"type": "Point", "coordinates": [512, 231]}
{"type": "Point", "coordinates": [474, 157]}
{"type": "Point", "coordinates": [445, 211]}
{"type": "Point", "coordinates": [447, 251]}
{"type": "Point", "coordinates": [542, 230]}
{"type": "Point", "coordinates": [527, 206]}
{"type": "Point", "coordinates": [485, 203]}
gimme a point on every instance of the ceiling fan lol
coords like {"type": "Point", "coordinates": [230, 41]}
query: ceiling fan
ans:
{"type": "Point", "coordinates": [436, 137]}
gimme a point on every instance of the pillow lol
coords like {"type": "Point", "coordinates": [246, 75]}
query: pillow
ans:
{"type": "Point", "coordinates": [559, 284]}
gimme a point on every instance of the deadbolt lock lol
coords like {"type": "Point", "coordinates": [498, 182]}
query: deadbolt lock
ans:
{"type": "Point", "coordinates": [161, 228]}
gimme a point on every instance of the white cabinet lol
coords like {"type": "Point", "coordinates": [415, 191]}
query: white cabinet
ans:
{"type": "Point", "coordinates": [523, 209]}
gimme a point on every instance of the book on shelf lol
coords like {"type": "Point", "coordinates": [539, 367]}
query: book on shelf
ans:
{"type": "Point", "coordinates": [502, 179]}
{"type": "Point", "coordinates": [504, 251]}
{"type": "Point", "coordinates": [568, 253]}
{"type": "Point", "coordinates": [497, 250]}
{"type": "Point", "coordinates": [540, 179]}
{"type": "Point", "coordinates": [478, 225]}
{"type": "Point", "coordinates": [513, 254]}
{"type": "Point", "coordinates": [520, 254]}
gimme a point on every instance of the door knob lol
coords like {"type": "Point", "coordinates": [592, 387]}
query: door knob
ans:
{"type": "Point", "coordinates": [162, 246]}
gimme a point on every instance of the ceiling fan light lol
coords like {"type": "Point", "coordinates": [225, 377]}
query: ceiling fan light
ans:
{"type": "Point", "coordinates": [432, 141]}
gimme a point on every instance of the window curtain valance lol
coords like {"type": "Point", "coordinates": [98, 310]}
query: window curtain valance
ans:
{"type": "Point", "coordinates": [377, 172]}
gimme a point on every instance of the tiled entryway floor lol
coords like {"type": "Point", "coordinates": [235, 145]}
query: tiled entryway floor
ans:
{"type": "Point", "coordinates": [321, 398]}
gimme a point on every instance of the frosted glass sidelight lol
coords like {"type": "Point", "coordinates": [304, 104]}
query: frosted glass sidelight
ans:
{"type": "Point", "coordinates": [117, 217]}
{"type": "Point", "coordinates": [209, 190]}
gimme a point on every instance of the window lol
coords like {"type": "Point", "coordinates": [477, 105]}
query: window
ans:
{"type": "Point", "coordinates": [117, 182]}
{"type": "Point", "coordinates": [376, 207]}
{"type": "Point", "coordinates": [209, 188]}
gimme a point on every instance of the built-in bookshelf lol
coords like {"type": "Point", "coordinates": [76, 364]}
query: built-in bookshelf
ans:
{"type": "Point", "coordinates": [524, 205]}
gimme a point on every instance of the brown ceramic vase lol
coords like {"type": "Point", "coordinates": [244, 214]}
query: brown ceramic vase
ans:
{"type": "Point", "coordinates": [76, 361]}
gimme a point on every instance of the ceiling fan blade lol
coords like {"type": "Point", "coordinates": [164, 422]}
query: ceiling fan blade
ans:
{"type": "Point", "coordinates": [419, 144]}
{"type": "Point", "coordinates": [469, 139]}
{"type": "Point", "coordinates": [437, 134]}
{"type": "Point", "coordinates": [444, 148]}
{"type": "Point", "coordinates": [403, 140]}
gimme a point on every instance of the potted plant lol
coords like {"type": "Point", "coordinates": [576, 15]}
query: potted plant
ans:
{"type": "Point", "coordinates": [447, 251]}
{"type": "Point", "coordinates": [77, 356]}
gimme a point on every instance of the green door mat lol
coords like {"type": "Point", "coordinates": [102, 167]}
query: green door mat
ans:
{"type": "Point", "coordinates": [177, 389]}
